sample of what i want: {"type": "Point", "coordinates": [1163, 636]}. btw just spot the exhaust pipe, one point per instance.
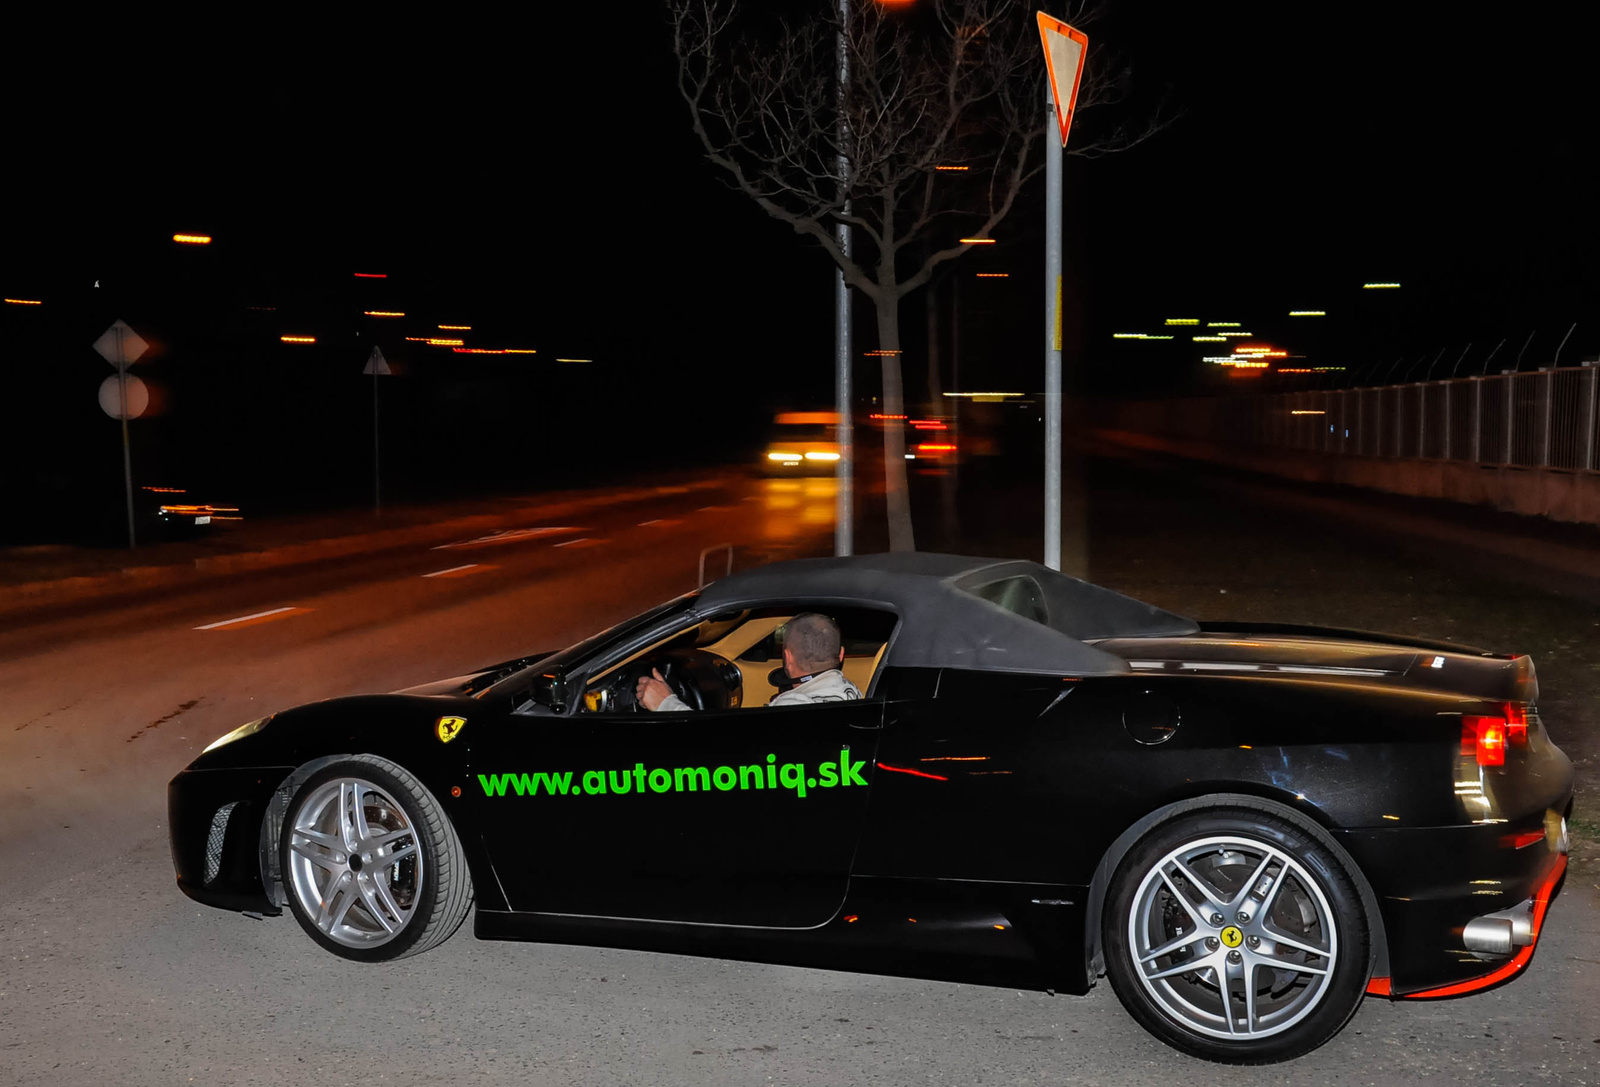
{"type": "Point", "coordinates": [1501, 932]}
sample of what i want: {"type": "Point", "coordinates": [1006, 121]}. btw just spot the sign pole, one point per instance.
{"type": "Point", "coordinates": [378, 367]}
{"type": "Point", "coordinates": [1052, 341]}
{"type": "Point", "coordinates": [377, 501]}
{"type": "Point", "coordinates": [127, 455]}
{"type": "Point", "coordinates": [120, 346]}
{"type": "Point", "coordinates": [1064, 50]}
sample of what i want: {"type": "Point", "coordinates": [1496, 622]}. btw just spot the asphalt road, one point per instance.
{"type": "Point", "coordinates": [110, 975]}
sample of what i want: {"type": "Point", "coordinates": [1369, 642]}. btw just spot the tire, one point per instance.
{"type": "Point", "coordinates": [371, 865]}
{"type": "Point", "coordinates": [1303, 948]}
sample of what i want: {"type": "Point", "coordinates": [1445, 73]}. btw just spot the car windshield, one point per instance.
{"type": "Point", "coordinates": [579, 651]}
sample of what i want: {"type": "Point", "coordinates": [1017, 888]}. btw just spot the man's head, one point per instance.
{"type": "Point", "coordinates": [811, 644]}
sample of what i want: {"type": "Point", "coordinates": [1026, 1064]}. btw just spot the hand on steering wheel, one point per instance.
{"type": "Point", "coordinates": [651, 690]}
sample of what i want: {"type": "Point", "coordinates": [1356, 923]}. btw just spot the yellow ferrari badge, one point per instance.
{"type": "Point", "coordinates": [448, 727]}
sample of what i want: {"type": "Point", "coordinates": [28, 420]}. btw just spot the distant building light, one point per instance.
{"type": "Point", "coordinates": [298, 339]}
{"type": "Point", "coordinates": [994, 275]}
{"type": "Point", "coordinates": [521, 351]}
{"type": "Point", "coordinates": [1296, 370]}
{"type": "Point", "coordinates": [435, 341]}
{"type": "Point", "coordinates": [817, 455]}
{"type": "Point", "coordinates": [876, 415]}
{"type": "Point", "coordinates": [1325, 369]}
{"type": "Point", "coordinates": [879, 354]}
{"type": "Point", "coordinates": [382, 313]}
{"type": "Point", "coordinates": [1308, 313]}
{"type": "Point", "coordinates": [981, 396]}
{"type": "Point", "coordinates": [25, 301]}
{"type": "Point", "coordinates": [1209, 339]}
{"type": "Point", "coordinates": [935, 447]}
{"type": "Point", "coordinates": [264, 309]}
{"type": "Point", "coordinates": [1222, 324]}
{"type": "Point", "coordinates": [1127, 335]}
{"type": "Point", "coordinates": [371, 275]}
{"type": "Point", "coordinates": [456, 328]}
{"type": "Point", "coordinates": [1236, 333]}
{"type": "Point", "coordinates": [416, 339]}
{"type": "Point", "coordinates": [1183, 320]}
{"type": "Point", "coordinates": [192, 239]}
{"type": "Point", "coordinates": [1380, 286]}
{"type": "Point", "coordinates": [977, 241]}
{"type": "Point", "coordinates": [787, 457]}
{"type": "Point", "coordinates": [477, 350]}
{"type": "Point", "coordinates": [574, 360]}
{"type": "Point", "coordinates": [1306, 411]}
{"type": "Point", "coordinates": [953, 169]}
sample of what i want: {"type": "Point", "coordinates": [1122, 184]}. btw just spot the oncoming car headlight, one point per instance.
{"type": "Point", "coordinates": [249, 728]}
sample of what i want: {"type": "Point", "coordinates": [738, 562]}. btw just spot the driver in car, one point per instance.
{"type": "Point", "coordinates": [813, 654]}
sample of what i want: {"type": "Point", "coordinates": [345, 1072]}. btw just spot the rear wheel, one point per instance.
{"type": "Point", "coordinates": [373, 868]}
{"type": "Point", "coordinates": [1237, 936]}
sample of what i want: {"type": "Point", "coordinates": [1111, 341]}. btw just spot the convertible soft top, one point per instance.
{"type": "Point", "coordinates": [1007, 615]}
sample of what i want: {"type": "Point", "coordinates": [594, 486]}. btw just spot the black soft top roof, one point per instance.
{"type": "Point", "coordinates": [945, 625]}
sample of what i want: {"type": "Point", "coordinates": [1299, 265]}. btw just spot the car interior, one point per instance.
{"type": "Point", "coordinates": [735, 661]}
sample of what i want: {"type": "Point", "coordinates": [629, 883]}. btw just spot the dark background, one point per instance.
{"type": "Point", "coordinates": [538, 180]}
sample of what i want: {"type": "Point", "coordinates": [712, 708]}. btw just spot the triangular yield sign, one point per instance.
{"type": "Point", "coordinates": [1064, 50]}
{"type": "Point", "coordinates": [376, 364]}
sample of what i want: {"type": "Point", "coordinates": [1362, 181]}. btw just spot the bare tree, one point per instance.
{"type": "Point", "coordinates": [942, 121]}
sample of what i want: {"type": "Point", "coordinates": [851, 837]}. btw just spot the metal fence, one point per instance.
{"type": "Point", "coordinates": [1543, 419]}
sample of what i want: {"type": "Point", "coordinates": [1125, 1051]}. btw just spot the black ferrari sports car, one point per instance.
{"type": "Point", "coordinates": [1246, 827]}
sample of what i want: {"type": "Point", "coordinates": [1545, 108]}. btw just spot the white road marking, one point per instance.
{"type": "Point", "coordinates": [569, 543]}
{"type": "Point", "coordinates": [644, 524]}
{"type": "Point", "coordinates": [244, 618]}
{"type": "Point", "coordinates": [508, 535]}
{"type": "Point", "coordinates": [452, 570]}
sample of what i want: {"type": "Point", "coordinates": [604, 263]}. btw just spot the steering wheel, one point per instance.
{"type": "Point", "coordinates": [702, 679]}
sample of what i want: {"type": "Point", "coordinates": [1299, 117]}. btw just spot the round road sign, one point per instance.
{"type": "Point", "coordinates": [111, 397]}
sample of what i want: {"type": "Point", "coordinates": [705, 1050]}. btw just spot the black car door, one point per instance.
{"type": "Point", "coordinates": [738, 817]}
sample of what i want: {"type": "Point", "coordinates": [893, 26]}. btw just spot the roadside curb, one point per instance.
{"type": "Point", "coordinates": [139, 578]}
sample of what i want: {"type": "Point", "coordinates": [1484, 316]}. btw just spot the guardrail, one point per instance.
{"type": "Point", "coordinates": [1541, 419]}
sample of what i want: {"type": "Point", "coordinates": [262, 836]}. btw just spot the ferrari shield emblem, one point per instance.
{"type": "Point", "coordinates": [448, 727]}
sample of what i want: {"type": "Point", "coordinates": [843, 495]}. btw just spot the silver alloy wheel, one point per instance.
{"type": "Point", "coordinates": [1232, 937]}
{"type": "Point", "coordinates": [355, 863]}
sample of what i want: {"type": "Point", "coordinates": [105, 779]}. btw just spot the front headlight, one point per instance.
{"type": "Point", "coordinates": [250, 728]}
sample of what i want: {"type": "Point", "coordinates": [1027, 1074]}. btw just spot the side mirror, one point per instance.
{"type": "Point", "coordinates": [550, 689]}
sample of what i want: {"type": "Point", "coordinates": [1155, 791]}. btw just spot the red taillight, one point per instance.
{"type": "Point", "coordinates": [1484, 738]}
{"type": "Point", "coordinates": [1516, 724]}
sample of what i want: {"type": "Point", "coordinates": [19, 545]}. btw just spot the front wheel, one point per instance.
{"type": "Point", "coordinates": [1236, 936]}
{"type": "Point", "coordinates": [373, 867]}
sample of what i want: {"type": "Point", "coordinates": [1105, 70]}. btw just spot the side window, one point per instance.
{"type": "Point", "coordinates": [735, 661]}
{"type": "Point", "coordinates": [1019, 595]}
{"type": "Point", "coordinates": [864, 633]}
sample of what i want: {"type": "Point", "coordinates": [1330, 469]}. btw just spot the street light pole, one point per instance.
{"type": "Point", "coordinates": [844, 504]}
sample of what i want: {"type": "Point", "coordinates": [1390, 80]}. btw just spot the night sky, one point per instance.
{"type": "Point", "coordinates": [541, 184]}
